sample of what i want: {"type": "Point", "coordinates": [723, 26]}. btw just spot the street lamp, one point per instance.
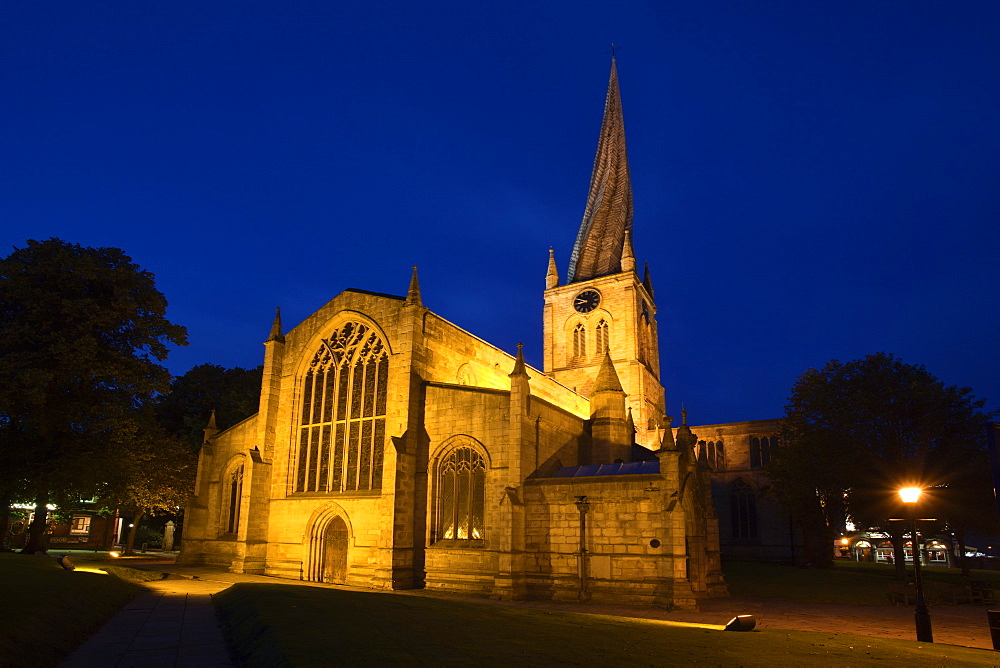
{"type": "Point", "coordinates": [921, 616]}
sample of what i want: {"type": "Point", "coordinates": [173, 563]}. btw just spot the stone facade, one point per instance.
{"type": "Point", "coordinates": [752, 524]}
{"type": "Point", "coordinates": [393, 449]}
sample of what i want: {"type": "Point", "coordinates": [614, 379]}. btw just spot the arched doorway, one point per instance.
{"type": "Point", "coordinates": [335, 551]}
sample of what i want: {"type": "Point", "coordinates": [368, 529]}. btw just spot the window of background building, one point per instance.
{"type": "Point", "coordinates": [743, 510]}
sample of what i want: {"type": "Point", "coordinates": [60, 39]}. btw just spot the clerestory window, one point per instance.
{"type": "Point", "coordinates": [342, 426]}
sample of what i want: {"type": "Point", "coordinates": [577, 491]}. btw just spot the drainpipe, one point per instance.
{"type": "Point", "coordinates": [583, 507]}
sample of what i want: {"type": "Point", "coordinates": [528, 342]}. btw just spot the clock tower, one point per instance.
{"type": "Point", "coordinates": [604, 308]}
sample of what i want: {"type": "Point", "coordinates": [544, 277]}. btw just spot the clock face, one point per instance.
{"type": "Point", "coordinates": [587, 301]}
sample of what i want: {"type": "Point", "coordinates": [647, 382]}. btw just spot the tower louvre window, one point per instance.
{"type": "Point", "coordinates": [580, 341]}
{"type": "Point", "coordinates": [342, 430]}
{"type": "Point", "coordinates": [602, 337]}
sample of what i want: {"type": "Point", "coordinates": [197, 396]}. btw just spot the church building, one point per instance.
{"type": "Point", "coordinates": [393, 449]}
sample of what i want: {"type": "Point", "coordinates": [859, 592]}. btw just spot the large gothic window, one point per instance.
{"type": "Point", "coordinates": [461, 495]}
{"type": "Point", "coordinates": [580, 341]}
{"type": "Point", "coordinates": [602, 337]}
{"type": "Point", "coordinates": [234, 497]}
{"type": "Point", "coordinates": [743, 510]}
{"type": "Point", "coordinates": [342, 428]}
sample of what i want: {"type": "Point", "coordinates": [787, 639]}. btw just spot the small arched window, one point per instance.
{"type": "Point", "coordinates": [760, 450]}
{"type": "Point", "coordinates": [233, 500]}
{"type": "Point", "coordinates": [602, 337]}
{"type": "Point", "coordinates": [462, 495]}
{"type": "Point", "coordinates": [743, 510]}
{"type": "Point", "coordinates": [580, 341]}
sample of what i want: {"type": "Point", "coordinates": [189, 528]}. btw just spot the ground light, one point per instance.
{"type": "Point", "coordinates": [921, 616]}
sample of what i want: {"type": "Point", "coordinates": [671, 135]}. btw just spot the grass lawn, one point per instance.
{"type": "Point", "coordinates": [47, 611]}
{"type": "Point", "coordinates": [279, 625]}
{"type": "Point", "coordinates": [847, 582]}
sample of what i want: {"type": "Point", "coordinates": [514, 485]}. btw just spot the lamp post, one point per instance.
{"type": "Point", "coordinates": [921, 616]}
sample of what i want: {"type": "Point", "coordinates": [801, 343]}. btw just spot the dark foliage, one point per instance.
{"type": "Point", "coordinates": [855, 433]}
{"type": "Point", "coordinates": [81, 332]}
{"type": "Point", "coordinates": [234, 394]}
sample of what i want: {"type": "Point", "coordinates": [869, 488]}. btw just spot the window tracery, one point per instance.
{"type": "Point", "coordinates": [760, 450]}
{"type": "Point", "coordinates": [462, 495]}
{"type": "Point", "coordinates": [580, 341]}
{"type": "Point", "coordinates": [342, 425]}
{"type": "Point", "coordinates": [602, 337]}
{"type": "Point", "coordinates": [234, 498]}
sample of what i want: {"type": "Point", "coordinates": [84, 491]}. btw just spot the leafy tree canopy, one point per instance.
{"type": "Point", "coordinates": [234, 394]}
{"type": "Point", "coordinates": [81, 332]}
{"type": "Point", "coordinates": [856, 432]}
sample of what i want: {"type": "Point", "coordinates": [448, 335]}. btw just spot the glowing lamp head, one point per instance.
{"type": "Point", "coordinates": [844, 541]}
{"type": "Point", "coordinates": [910, 494]}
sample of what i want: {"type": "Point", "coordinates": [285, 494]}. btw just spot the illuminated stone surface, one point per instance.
{"type": "Point", "coordinates": [458, 480]}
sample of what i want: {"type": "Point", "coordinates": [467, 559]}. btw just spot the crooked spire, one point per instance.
{"type": "Point", "coordinates": [598, 248]}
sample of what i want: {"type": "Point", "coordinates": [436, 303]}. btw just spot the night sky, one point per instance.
{"type": "Point", "coordinates": [813, 180]}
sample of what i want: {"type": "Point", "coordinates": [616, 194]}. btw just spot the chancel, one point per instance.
{"type": "Point", "coordinates": [393, 449]}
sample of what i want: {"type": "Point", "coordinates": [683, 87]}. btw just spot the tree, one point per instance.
{"type": "Point", "coordinates": [154, 472]}
{"type": "Point", "coordinates": [855, 433]}
{"type": "Point", "coordinates": [81, 332]}
{"type": "Point", "coordinates": [234, 394]}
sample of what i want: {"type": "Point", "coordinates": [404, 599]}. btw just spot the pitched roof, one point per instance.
{"type": "Point", "coordinates": [598, 248]}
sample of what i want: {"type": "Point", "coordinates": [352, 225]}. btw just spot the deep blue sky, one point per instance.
{"type": "Point", "coordinates": [813, 180]}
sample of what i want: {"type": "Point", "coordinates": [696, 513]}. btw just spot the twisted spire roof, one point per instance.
{"type": "Point", "coordinates": [598, 248]}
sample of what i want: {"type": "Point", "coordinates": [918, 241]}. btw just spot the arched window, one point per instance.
{"type": "Point", "coordinates": [580, 341]}
{"type": "Point", "coordinates": [342, 432]}
{"type": "Point", "coordinates": [720, 456]}
{"type": "Point", "coordinates": [743, 510]}
{"type": "Point", "coordinates": [602, 337]}
{"type": "Point", "coordinates": [233, 499]}
{"type": "Point", "coordinates": [461, 495]}
{"type": "Point", "coordinates": [711, 454]}
{"type": "Point", "coordinates": [760, 450]}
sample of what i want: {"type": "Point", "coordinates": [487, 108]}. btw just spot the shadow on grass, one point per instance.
{"type": "Point", "coordinates": [282, 625]}
{"type": "Point", "coordinates": [47, 611]}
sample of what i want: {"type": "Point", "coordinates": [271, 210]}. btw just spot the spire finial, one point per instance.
{"type": "Point", "coordinates": [628, 255]}
{"type": "Point", "coordinates": [519, 369]}
{"type": "Point", "coordinates": [647, 282]}
{"type": "Point", "coordinates": [413, 294]}
{"type": "Point", "coordinates": [684, 416]}
{"type": "Point", "coordinates": [276, 335]}
{"type": "Point", "coordinates": [211, 421]}
{"type": "Point", "coordinates": [552, 275]}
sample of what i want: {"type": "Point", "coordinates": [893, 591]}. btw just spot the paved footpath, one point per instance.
{"type": "Point", "coordinates": [174, 625]}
